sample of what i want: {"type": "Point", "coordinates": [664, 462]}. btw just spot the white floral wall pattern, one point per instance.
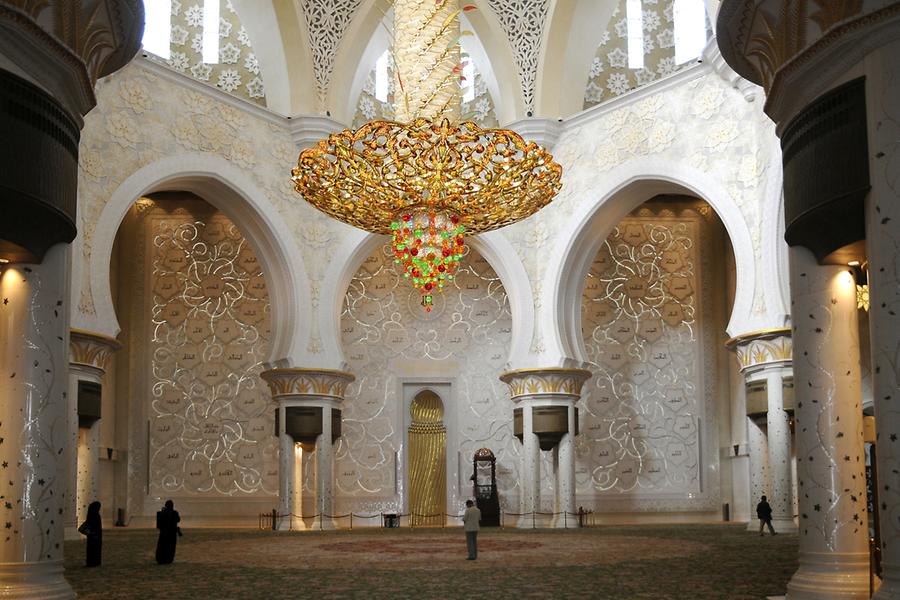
{"type": "Point", "coordinates": [384, 328]}
{"type": "Point", "coordinates": [211, 416]}
{"type": "Point", "coordinates": [610, 75]}
{"type": "Point", "coordinates": [237, 71]}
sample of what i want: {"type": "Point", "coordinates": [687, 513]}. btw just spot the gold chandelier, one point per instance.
{"type": "Point", "coordinates": [429, 181]}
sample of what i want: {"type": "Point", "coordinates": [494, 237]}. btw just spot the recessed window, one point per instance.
{"type": "Point", "coordinates": [634, 15]}
{"type": "Point", "coordinates": [381, 78]}
{"type": "Point", "coordinates": [157, 27]}
{"type": "Point", "coordinates": [690, 29]}
{"type": "Point", "coordinates": [211, 32]}
{"type": "Point", "coordinates": [468, 83]}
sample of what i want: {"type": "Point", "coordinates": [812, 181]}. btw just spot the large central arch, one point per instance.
{"type": "Point", "coordinates": [230, 190]}
{"type": "Point", "coordinates": [591, 223]}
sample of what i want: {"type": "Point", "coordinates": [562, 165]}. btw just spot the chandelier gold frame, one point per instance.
{"type": "Point", "coordinates": [490, 178]}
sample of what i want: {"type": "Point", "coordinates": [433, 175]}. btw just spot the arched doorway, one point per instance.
{"type": "Point", "coordinates": [427, 460]}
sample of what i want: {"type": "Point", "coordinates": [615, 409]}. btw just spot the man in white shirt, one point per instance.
{"type": "Point", "coordinates": [471, 519]}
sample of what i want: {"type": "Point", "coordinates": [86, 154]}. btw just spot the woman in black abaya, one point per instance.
{"type": "Point", "coordinates": [167, 522]}
{"type": "Point", "coordinates": [92, 528]}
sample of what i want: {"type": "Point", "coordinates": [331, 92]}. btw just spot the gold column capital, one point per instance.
{"type": "Point", "coordinates": [758, 348]}
{"type": "Point", "coordinates": [550, 380]}
{"type": "Point", "coordinates": [296, 381]}
{"type": "Point", "coordinates": [91, 349]}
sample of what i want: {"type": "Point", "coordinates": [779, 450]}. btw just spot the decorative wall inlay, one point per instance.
{"type": "Point", "coordinates": [307, 382]}
{"type": "Point", "coordinates": [237, 71]}
{"type": "Point", "coordinates": [760, 348]}
{"type": "Point", "coordinates": [535, 382]}
{"type": "Point", "coordinates": [651, 353]}
{"type": "Point", "coordinates": [326, 22]}
{"type": "Point", "coordinates": [209, 326]}
{"type": "Point", "coordinates": [523, 22]}
{"type": "Point", "coordinates": [92, 349]}
{"type": "Point", "coordinates": [610, 75]}
{"type": "Point", "coordinates": [386, 334]}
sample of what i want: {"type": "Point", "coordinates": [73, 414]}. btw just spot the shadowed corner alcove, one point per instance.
{"type": "Point", "coordinates": [427, 460]}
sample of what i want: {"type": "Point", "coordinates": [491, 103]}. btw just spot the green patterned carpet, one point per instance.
{"type": "Point", "coordinates": [660, 562]}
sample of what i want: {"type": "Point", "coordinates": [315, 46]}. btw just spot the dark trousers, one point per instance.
{"type": "Point", "coordinates": [472, 544]}
{"type": "Point", "coordinates": [764, 523]}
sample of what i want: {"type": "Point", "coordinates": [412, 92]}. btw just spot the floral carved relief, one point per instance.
{"type": "Point", "coordinates": [644, 411]}
{"type": "Point", "coordinates": [209, 325]}
{"type": "Point", "coordinates": [386, 332]}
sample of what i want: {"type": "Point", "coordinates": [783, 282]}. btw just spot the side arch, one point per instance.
{"type": "Point", "coordinates": [230, 190]}
{"type": "Point", "coordinates": [493, 246]}
{"type": "Point", "coordinates": [591, 223]}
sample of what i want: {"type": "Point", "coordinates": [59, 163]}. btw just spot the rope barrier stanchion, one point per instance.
{"type": "Point", "coordinates": [533, 526]}
{"type": "Point", "coordinates": [566, 519]}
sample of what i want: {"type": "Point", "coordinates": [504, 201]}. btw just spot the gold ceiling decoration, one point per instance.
{"type": "Point", "coordinates": [429, 180]}
{"type": "Point", "coordinates": [489, 178]}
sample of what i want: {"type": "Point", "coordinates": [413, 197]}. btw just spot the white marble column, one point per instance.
{"type": "Point", "coordinates": [778, 430]}
{"type": "Point", "coordinates": [758, 452]}
{"type": "Point", "coordinates": [834, 558]}
{"type": "Point", "coordinates": [883, 245]}
{"type": "Point", "coordinates": [34, 314]}
{"type": "Point", "coordinates": [531, 469]}
{"type": "Point", "coordinates": [88, 466]}
{"type": "Point", "coordinates": [89, 358]}
{"type": "Point", "coordinates": [325, 474]}
{"type": "Point", "coordinates": [286, 476]}
{"type": "Point", "coordinates": [565, 488]}
{"type": "Point", "coordinates": [540, 388]}
{"type": "Point", "coordinates": [321, 389]}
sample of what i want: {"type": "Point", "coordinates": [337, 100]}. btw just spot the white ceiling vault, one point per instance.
{"type": "Point", "coordinates": [534, 55]}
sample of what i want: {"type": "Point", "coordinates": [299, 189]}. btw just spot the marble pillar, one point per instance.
{"type": "Point", "coordinates": [778, 433]}
{"type": "Point", "coordinates": [758, 453]}
{"type": "Point", "coordinates": [89, 357]}
{"type": "Point", "coordinates": [530, 500]}
{"type": "Point", "coordinates": [34, 315]}
{"type": "Point", "coordinates": [566, 472]}
{"type": "Point", "coordinates": [287, 484]}
{"type": "Point", "coordinates": [766, 356]}
{"type": "Point", "coordinates": [883, 246]}
{"type": "Point", "coordinates": [325, 472]}
{"type": "Point", "coordinates": [834, 557]}
{"type": "Point", "coordinates": [553, 388]}
{"type": "Point", "coordinates": [321, 390]}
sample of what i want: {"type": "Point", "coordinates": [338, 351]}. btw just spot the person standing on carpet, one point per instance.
{"type": "Point", "coordinates": [764, 513]}
{"type": "Point", "coordinates": [167, 522]}
{"type": "Point", "coordinates": [471, 519]}
{"type": "Point", "coordinates": [92, 529]}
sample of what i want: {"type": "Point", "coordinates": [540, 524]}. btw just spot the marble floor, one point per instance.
{"type": "Point", "coordinates": [653, 562]}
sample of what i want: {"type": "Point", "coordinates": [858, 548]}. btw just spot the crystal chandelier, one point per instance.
{"type": "Point", "coordinates": [426, 179]}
